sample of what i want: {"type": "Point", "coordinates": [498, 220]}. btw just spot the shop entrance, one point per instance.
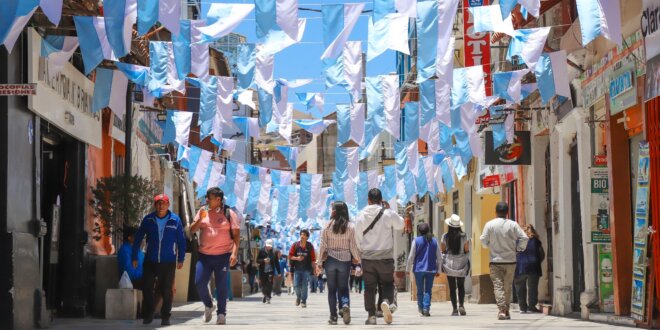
{"type": "Point", "coordinates": [548, 218]}
{"type": "Point", "coordinates": [578, 252]}
{"type": "Point", "coordinates": [62, 208]}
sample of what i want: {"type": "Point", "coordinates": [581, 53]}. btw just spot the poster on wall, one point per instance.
{"type": "Point", "coordinates": [600, 201]}
{"type": "Point", "coordinates": [640, 238]}
{"type": "Point", "coordinates": [606, 278]}
{"type": "Point", "coordinates": [518, 152]}
{"type": "Point", "coordinates": [650, 26]}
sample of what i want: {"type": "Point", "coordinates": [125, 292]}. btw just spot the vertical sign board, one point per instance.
{"type": "Point", "coordinates": [600, 201]}
{"type": "Point", "coordinates": [605, 278]}
{"type": "Point", "coordinates": [476, 45]}
{"type": "Point", "coordinates": [640, 238]}
{"type": "Point", "coordinates": [650, 26]}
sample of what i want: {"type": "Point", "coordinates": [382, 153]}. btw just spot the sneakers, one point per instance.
{"type": "Point", "coordinates": [303, 305]}
{"type": "Point", "coordinates": [268, 301]}
{"type": "Point", "coordinates": [147, 320]}
{"type": "Point", "coordinates": [165, 322]}
{"type": "Point", "coordinates": [222, 319]}
{"type": "Point", "coordinates": [454, 312]}
{"type": "Point", "coordinates": [297, 301]}
{"type": "Point", "coordinates": [501, 315]}
{"type": "Point", "coordinates": [387, 313]}
{"type": "Point", "coordinates": [426, 313]}
{"type": "Point", "coordinates": [508, 316]}
{"type": "Point", "coordinates": [533, 309]}
{"type": "Point", "coordinates": [461, 310]}
{"type": "Point", "coordinates": [420, 311]}
{"type": "Point", "coordinates": [332, 320]}
{"type": "Point", "coordinates": [346, 314]}
{"type": "Point", "coordinates": [208, 313]}
{"type": "Point", "coordinates": [264, 300]}
{"type": "Point", "coordinates": [371, 320]}
{"type": "Point", "coordinates": [379, 314]}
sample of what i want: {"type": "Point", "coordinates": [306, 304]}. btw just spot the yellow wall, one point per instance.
{"type": "Point", "coordinates": [483, 210]}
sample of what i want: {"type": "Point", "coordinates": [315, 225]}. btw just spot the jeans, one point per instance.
{"type": "Point", "coordinates": [266, 283]}
{"type": "Point", "coordinates": [502, 277]}
{"type": "Point", "coordinates": [321, 283]}
{"type": "Point", "coordinates": [219, 266]}
{"type": "Point", "coordinates": [300, 282]}
{"type": "Point", "coordinates": [165, 274]}
{"type": "Point", "coordinates": [337, 273]}
{"type": "Point", "coordinates": [456, 284]}
{"type": "Point", "coordinates": [424, 282]}
{"type": "Point", "coordinates": [527, 288]}
{"type": "Point", "coordinates": [377, 274]}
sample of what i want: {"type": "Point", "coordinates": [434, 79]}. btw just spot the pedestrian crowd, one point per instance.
{"type": "Point", "coordinates": [353, 255]}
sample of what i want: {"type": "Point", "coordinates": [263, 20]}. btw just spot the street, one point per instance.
{"type": "Point", "coordinates": [282, 314]}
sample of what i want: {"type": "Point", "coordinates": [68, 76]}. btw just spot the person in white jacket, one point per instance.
{"type": "Point", "coordinates": [374, 228]}
{"type": "Point", "coordinates": [504, 238]}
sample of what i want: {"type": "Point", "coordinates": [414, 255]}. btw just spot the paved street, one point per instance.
{"type": "Point", "coordinates": [282, 314]}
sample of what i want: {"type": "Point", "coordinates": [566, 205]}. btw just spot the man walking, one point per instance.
{"type": "Point", "coordinates": [268, 264]}
{"type": "Point", "coordinates": [302, 258]}
{"type": "Point", "coordinates": [504, 238]}
{"type": "Point", "coordinates": [218, 250]}
{"type": "Point", "coordinates": [166, 250]}
{"type": "Point", "coordinates": [374, 229]}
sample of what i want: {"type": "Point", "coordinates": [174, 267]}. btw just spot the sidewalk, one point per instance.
{"type": "Point", "coordinates": [250, 313]}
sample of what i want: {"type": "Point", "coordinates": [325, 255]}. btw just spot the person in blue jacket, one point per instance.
{"type": "Point", "coordinates": [124, 258]}
{"type": "Point", "coordinates": [528, 272]}
{"type": "Point", "coordinates": [166, 250]}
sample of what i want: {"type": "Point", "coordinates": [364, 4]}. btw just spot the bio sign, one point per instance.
{"type": "Point", "coordinates": [476, 45]}
{"type": "Point", "coordinates": [600, 212]}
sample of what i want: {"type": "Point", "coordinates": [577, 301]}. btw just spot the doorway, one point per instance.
{"type": "Point", "coordinates": [578, 252]}
{"type": "Point", "coordinates": [548, 218]}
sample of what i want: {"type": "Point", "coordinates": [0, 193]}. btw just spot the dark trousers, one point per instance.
{"type": "Point", "coordinates": [456, 284]}
{"type": "Point", "coordinates": [266, 282]}
{"type": "Point", "coordinates": [527, 289]}
{"type": "Point", "coordinates": [358, 283]}
{"type": "Point", "coordinates": [219, 266]}
{"type": "Point", "coordinates": [165, 274]}
{"type": "Point", "coordinates": [337, 273]}
{"type": "Point", "coordinates": [377, 274]}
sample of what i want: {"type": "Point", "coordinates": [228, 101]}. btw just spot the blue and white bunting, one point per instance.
{"type": "Point", "coordinates": [507, 85]}
{"type": "Point", "coordinates": [110, 91]}
{"type": "Point", "coordinates": [94, 43]}
{"type": "Point", "coordinates": [225, 17]}
{"type": "Point", "coordinates": [346, 70]}
{"type": "Point", "coordinates": [529, 6]}
{"type": "Point", "coordinates": [16, 14]}
{"type": "Point", "coordinates": [435, 22]}
{"type": "Point", "coordinates": [290, 154]}
{"type": "Point", "coordinates": [391, 32]}
{"type": "Point", "coordinates": [528, 45]}
{"type": "Point", "coordinates": [247, 125]}
{"type": "Point", "coordinates": [167, 12]}
{"type": "Point", "coordinates": [120, 15]}
{"type": "Point", "coordinates": [338, 22]}
{"type": "Point", "coordinates": [52, 9]}
{"type": "Point", "coordinates": [406, 170]}
{"type": "Point", "coordinates": [350, 123]}
{"type": "Point", "coordinates": [314, 126]}
{"type": "Point", "coordinates": [177, 127]}
{"type": "Point", "coordinates": [190, 55]}
{"type": "Point", "coordinates": [488, 19]}
{"type": "Point", "coordinates": [552, 76]}
{"type": "Point", "coordinates": [57, 50]}
{"type": "Point", "coordinates": [410, 129]}
{"type": "Point", "coordinates": [382, 8]}
{"type": "Point", "coordinates": [599, 17]}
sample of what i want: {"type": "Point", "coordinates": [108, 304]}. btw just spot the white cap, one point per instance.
{"type": "Point", "coordinates": [269, 242]}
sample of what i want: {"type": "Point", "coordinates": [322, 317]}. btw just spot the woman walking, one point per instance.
{"type": "Point", "coordinates": [338, 248]}
{"type": "Point", "coordinates": [455, 246]}
{"type": "Point", "coordinates": [424, 261]}
{"type": "Point", "coordinates": [528, 271]}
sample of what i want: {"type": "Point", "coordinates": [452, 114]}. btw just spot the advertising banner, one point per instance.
{"type": "Point", "coordinates": [605, 278]}
{"type": "Point", "coordinates": [650, 26]}
{"type": "Point", "coordinates": [476, 45]}
{"type": "Point", "coordinates": [640, 238]}
{"type": "Point", "coordinates": [600, 201]}
{"type": "Point", "coordinates": [519, 152]}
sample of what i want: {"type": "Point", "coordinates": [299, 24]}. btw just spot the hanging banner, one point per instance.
{"type": "Point", "coordinates": [606, 278]}
{"type": "Point", "coordinates": [517, 153]}
{"type": "Point", "coordinates": [476, 45]}
{"type": "Point", "coordinates": [600, 201]}
{"type": "Point", "coordinates": [640, 246]}
{"type": "Point", "coordinates": [650, 26]}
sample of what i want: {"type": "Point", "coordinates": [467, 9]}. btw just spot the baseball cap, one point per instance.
{"type": "Point", "coordinates": [269, 242]}
{"type": "Point", "coordinates": [161, 197]}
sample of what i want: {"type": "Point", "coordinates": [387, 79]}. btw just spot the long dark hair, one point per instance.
{"type": "Point", "coordinates": [454, 240]}
{"type": "Point", "coordinates": [340, 217]}
{"type": "Point", "coordinates": [424, 230]}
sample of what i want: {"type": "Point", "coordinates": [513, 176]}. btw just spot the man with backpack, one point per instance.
{"type": "Point", "coordinates": [218, 250]}
{"type": "Point", "coordinates": [374, 231]}
{"type": "Point", "coordinates": [302, 258]}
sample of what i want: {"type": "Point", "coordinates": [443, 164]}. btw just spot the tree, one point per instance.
{"type": "Point", "coordinates": [121, 201]}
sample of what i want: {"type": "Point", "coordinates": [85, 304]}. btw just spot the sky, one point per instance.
{"type": "Point", "coordinates": [302, 61]}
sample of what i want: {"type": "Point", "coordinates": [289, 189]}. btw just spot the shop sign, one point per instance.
{"type": "Point", "coordinates": [490, 181]}
{"type": "Point", "coordinates": [623, 93]}
{"type": "Point", "coordinates": [605, 278]}
{"type": "Point", "coordinates": [640, 238]}
{"type": "Point", "coordinates": [63, 99]}
{"type": "Point", "coordinates": [518, 152]}
{"type": "Point", "coordinates": [18, 89]}
{"type": "Point", "coordinates": [650, 28]}
{"type": "Point", "coordinates": [600, 201]}
{"type": "Point", "coordinates": [476, 45]}
{"type": "Point", "coordinates": [600, 160]}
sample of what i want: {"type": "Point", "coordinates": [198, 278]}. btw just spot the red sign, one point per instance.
{"type": "Point", "coordinates": [476, 45]}
{"type": "Point", "coordinates": [600, 160]}
{"type": "Point", "coordinates": [491, 181]}
{"type": "Point", "coordinates": [485, 119]}
{"type": "Point", "coordinates": [18, 89]}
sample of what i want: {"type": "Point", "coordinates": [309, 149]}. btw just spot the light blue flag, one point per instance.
{"type": "Point", "coordinates": [499, 135]}
{"type": "Point", "coordinates": [314, 126]}
{"type": "Point", "coordinates": [363, 191]}
{"type": "Point", "coordinates": [552, 76]}
{"type": "Point", "coordinates": [305, 200]}
{"type": "Point", "coordinates": [202, 188]}
{"type": "Point", "coordinates": [158, 62]}
{"type": "Point", "coordinates": [600, 18]}
{"type": "Point", "coordinates": [459, 92]}
{"type": "Point", "coordinates": [343, 123]}
{"type": "Point", "coordinates": [147, 15]}
{"type": "Point", "coordinates": [403, 172]}
{"type": "Point", "coordinates": [194, 153]}
{"type": "Point", "coordinates": [253, 194]}
{"type": "Point", "coordinates": [181, 156]}
{"type": "Point", "coordinates": [527, 89]}
{"type": "Point", "coordinates": [447, 176]}
{"type": "Point", "coordinates": [290, 154]}
{"type": "Point", "coordinates": [167, 12]}
{"type": "Point", "coordinates": [15, 14]}
{"type": "Point", "coordinates": [421, 180]}
{"type": "Point", "coordinates": [102, 89]}
{"type": "Point", "coordinates": [208, 101]}
{"type": "Point", "coordinates": [333, 22]}
{"type": "Point", "coordinates": [388, 186]}
{"type": "Point", "coordinates": [446, 134]}
{"type": "Point", "coordinates": [427, 39]}
{"type": "Point", "coordinates": [247, 125]}
{"type": "Point", "coordinates": [375, 107]}
{"type": "Point", "coordinates": [459, 166]}
{"type": "Point", "coordinates": [266, 17]}
{"type": "Point", "coordinates": [382, 8]}
{"type": "Point", "coordinates": [410, 122]}
{"type": "Point", "coordinates": [427, 101]}
{"type": "Point", "coordinates": [283, 203]}
{"type": "Point", "coordinates": [463, 145]}
{"type": "Point", "coordinates": [230, 182]}
{"type": "Point", "coordinates": [51, 44]}
{"type": "Point", "coordinates": [169, 132]}
{"type": "Point", "coordinates": [265, 107]}
{"type": "Point", "coordinates": [245, 65]}
{"type": "Point", "coordinates": [117, 14]}
{"type": "Point", "coordinates": [135, 73]}
{"type": "Point", "coordinates": [90, 45]}
{"type": "Point", "coordinates": [181, 47]}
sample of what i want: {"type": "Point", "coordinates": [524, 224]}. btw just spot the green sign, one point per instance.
{"type": "Point", "coordinates": [606, 278]}
{"type": "Point", "coordinates": [600, 203]}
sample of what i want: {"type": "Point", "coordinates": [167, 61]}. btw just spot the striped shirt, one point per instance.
{"type": "Point", "coordinates": [342, 247]}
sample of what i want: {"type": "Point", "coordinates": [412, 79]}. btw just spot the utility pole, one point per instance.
{"type": "Point", "coordinates": [128, 134]}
